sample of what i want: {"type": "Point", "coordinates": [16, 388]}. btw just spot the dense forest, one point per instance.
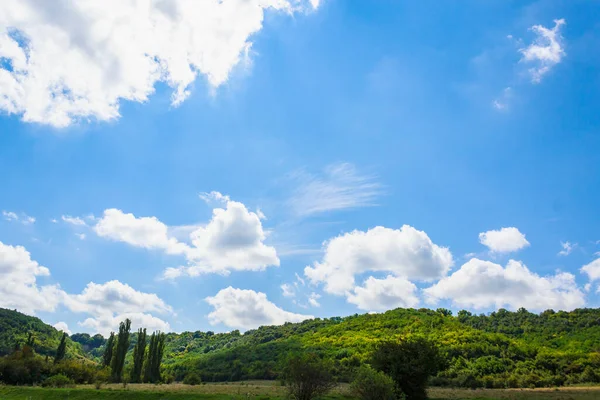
{"type": "Point", "coordinates": [502, 349]}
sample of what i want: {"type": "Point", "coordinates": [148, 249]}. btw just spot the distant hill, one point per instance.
{"type": "Point", "coordinates": [15, 328]}
{"type": "Point", "coordinates": [502, 349]}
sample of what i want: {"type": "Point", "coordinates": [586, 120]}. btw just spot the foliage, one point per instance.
{"type": "Point", "coordinates": [370, 384]}
{"type": "Point", "coordinates": [307, 376]}
{"type": "Point", "coordinates": [120, 351]}
{"type": "Point", "coordinates": [139, 352]}
{"type": "Point", "coordinates": [499, 350]}
{"type": "Point", "coordinates": [61, 350]}
{"type": "Point", "coordinates": [155, 354]}
{"type": "Point", "coordinates": [58, 381]}
{"type": "Point", "coordinates": [192, 379]}
{"type": "Point", "coordinates": [410, 363]}
{"type": "Point", "coordinates": [16, 329]}
{"type": "Point", "coordinates": [108, 350]}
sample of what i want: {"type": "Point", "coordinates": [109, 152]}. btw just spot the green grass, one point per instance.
{"type": "Point", "coordinates": [258, 391]}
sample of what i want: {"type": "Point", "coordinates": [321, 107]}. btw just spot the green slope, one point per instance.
{"type": "Point", "coordinates": [15, 328]}
{"type": "Point", "coordinates": [503, 349]}
{"type": "Point", "coordinates": [498, 350]}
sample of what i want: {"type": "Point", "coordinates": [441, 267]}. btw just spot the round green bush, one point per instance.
{"type": "Point", "coordinates": [58, 381]}
{"type": "Point", "coordinates": [192, 379]}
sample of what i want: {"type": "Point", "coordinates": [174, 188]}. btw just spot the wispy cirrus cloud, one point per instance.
{"type": "Point", "coordinates": [22, 217]}
{"type": "Point", "coordinates": [339, 186]}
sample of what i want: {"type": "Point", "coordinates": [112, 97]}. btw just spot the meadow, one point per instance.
{"type": "Point", "coordinates": [267, 390]}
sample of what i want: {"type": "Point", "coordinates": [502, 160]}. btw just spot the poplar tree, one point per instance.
{"type": "Point", "coordinates": [108, 350]}
{"type": "Point", "coordinates": [138, 356]}
{"type": "Point", "coordinates": [122, 344]}
{"type": "Point", "coordinates": [154, 359]}
{"type": "Point", "coordinates": [61, 350]}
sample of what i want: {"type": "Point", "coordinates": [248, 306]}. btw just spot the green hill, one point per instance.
{"type": "Point", "coordinates": [502, 349]}
{"type": "Point", "coordinates": [15, 328]}
{"type": "Point", "coordinates": [497, 350]}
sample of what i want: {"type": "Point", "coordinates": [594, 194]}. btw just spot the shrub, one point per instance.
{"type": "Point", "coordinates": [410, 363]}
{"type": "Point", "coordinates": [370, 384]}
{"type": "Point", "coordinates": [307, 376]}
{"type": "Point", "coordinates": [58, 381]}
{"type": "Point", "coordinates": [192, 379]}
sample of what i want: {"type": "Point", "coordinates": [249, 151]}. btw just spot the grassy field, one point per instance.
{"type": "Point", "coordinates": [267, 391]}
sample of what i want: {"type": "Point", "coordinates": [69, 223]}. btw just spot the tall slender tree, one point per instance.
{"type": "Point", "coordinates": [62, 349]}
{"type": "Point", "coordinates": [121, 347]}
{"type": "Point", "coordinates": [154, 359]}
{"type": "Point", "coordinates": [138, 356]}
{"type": "Point", "coordinates": [108, 350]}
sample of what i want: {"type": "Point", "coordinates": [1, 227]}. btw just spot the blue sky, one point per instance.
{"type": "Point", "coordinates": [365, 155]}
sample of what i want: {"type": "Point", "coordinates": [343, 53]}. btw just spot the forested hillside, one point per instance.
{"type": "Point", "coordinates": [15, 328]}
{"type": "Point", "coordinates": [515, 349]}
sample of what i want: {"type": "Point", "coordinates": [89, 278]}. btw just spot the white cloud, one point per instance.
{"type": "Point", "coordinates": [404, 252]}
{"type": "Point", "coordinates": [111, 302]}
{"type": "Point", "coordinates": [247, 309]}
{"type": "Point", "coordinates": [10, 216]}
{"type": "Point", "coordinates": [79, 59]}
{"type": "Point", "coordinates": [546, 50]}
{"type": "Point", "coordinates": [23, 218]}
{"type": "Point", "coordinates": [483, 284]}
{"type": "Point", "coordinates": [214, 197]}
{"type": "Point", "coordinates": [340, 187]}
{"type": "Point", "coordinates": [384, 294]}
{"type": "Point", "coordinates": [105, 303]}
{"type": "Point", "coordinates": [62, 326]}
{"type": "Point", "coordinates": [567, 248]}
{"type": "Point", "coordinates": [288, 290]}
{"type": "Point", "coordinates": [502, 102]}
{"type": "Point", "coordinates": [107, 323]}
{"type": "Point", "coordinates": [112, 297]}
{"type": "Point", "coordinates": [232, 240]}
{"type": "Point", "coordinates": [18, 282]}
{"type": "Point", "coordinates": [592, 270]}
{"type": "Point", "coordinates": [81, 236]}
{"type": "Point", "coordinates": [73, 220]}
{"type": "Point", "coordinates": [145, 232]}
{"type": "Point", "coordinates": [505, 240]}
{"type": "Point", "coordinates": [313, 300]}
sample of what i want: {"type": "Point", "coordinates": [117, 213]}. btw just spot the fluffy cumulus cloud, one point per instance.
{"type": "Point", "coordinates": [62, 326]}
{"type": "Point", "coordinates": [78, 59]}
{"type": "Point", "coordinates": [103, 303]}
{"type": "Point", "coordinates": [482, 284]}
{"type": "Point", "coordinates": [145, 232]}
{"type": "Point", "coordinates": [114, 296]}
{"type": "Point", "coordinates": [341, 186]}
{"type": "Point", "coordinates": [232, 240]}
{"type": "Point", "coordinates": [405, 252]}
{"type": "Point", "coordinates": [247, 309]}
{"type": "Point", "coordinates": [384, 294]}
{"type": "Point", "coordinates": [18, 282]}
{"type": "Point", "coordinates": [592, 270]}
{"type": "Point", "coordinates": [109, 303]}
{"type": "Point", "coordinates": [546, 51]}
{"type": "Point", "coordinates": [107, 323]}
{"type": "Point", "coordinates": [505, 240]}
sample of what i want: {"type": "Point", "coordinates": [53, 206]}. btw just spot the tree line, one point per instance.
{"type": "Point", "coordinates": [146, 358]}
{"type": "Point", "coordinates": [24, 366]}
